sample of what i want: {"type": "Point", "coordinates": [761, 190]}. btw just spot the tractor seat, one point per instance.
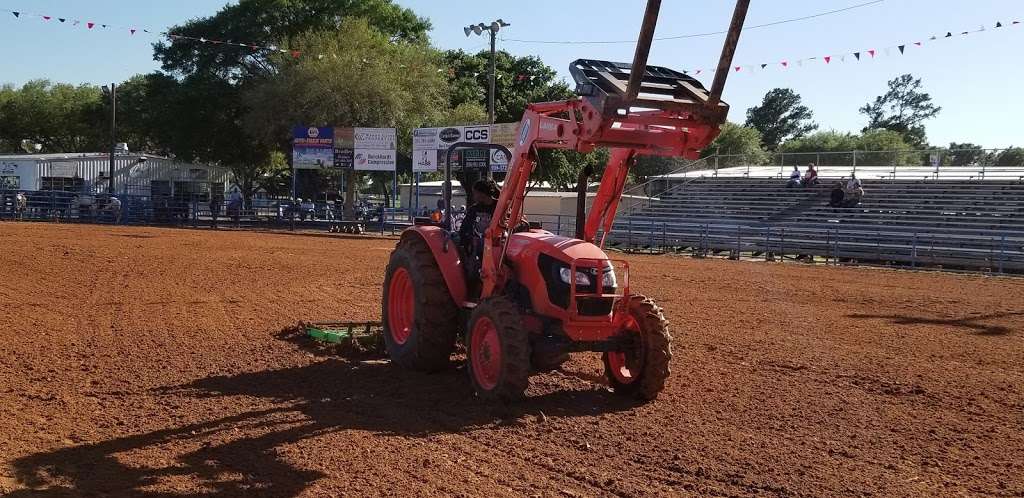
{"type": "Point", "coordinates": [604, 84]}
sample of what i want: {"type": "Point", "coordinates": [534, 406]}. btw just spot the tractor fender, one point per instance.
{"type": "Point", "coordinates": [448, 260]}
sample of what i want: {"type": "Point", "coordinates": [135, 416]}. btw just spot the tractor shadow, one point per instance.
{"type": "Point", "coordinates": [973, 323]}
{"type": "Point", "coordinates": [239, 452]}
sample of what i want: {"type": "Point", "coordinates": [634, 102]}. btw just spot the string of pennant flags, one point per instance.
{"type": "Point", "coordinates": [296, 53]}
{"type": "Point", "coordinates": [132, 30]}
{"type": "Point", "coordinates": [865, 54]}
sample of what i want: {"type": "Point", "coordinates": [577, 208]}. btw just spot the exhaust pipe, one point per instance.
{"type": "Point", "coordinates": [728, 50]}
{"type": "Point", "coordinates": [582, 183]}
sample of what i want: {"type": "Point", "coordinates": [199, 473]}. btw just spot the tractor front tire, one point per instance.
{"type": "Point", "coordinates": [420, 318]}
{"type": "Point", "coordinates": [498, 351]}
{"type": "Point", "coordinates": [641, 373]}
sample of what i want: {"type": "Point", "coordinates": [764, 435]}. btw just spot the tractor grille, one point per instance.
{"type": "Point", "coordinates": [594, 306]}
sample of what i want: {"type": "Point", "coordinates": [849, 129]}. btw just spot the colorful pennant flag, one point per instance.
{"type": "Point", "coordinates": [295, 54]}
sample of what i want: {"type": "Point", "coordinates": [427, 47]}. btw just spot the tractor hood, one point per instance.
{"type": "Point", "coordinates": [529, 245]}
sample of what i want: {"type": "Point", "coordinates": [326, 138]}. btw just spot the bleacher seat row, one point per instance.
{"type": "Point", "coordinates": [954, 223]}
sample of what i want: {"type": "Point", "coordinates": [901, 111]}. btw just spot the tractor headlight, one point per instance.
{"type": "Point", "coordinates": [582, 280]}
{"type": "Point", "coordinates": [608, 279]}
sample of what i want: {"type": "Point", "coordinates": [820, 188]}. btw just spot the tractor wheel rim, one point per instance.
{"type": "Point", "coordinates": [485, 353]}
{"type": "Point", "coordinates": [400, 306]}
{"type": "Point", "coordinates": [627, 366]}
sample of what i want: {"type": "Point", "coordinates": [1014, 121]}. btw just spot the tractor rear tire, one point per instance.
{"type": "Point", "coordinates": [642, 373]}
{"type": "Point", "coordinates": [421, 321]}
{"type": "Point", "coordinates": [498, 351]}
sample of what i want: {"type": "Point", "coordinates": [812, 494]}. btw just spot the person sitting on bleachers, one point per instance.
{"type": "Point", "coordinates": [853, 183]}
{"type": "Point", "coordinates": [836, 199]}
{"type": "Point", "coordinates": [853, 191]}
{"type": "Point", "coordinates": [810, 178]}
{"type": "Point", "coordinates": [853, 197]}
{"type": "Point", "coordinates": [794, 177]}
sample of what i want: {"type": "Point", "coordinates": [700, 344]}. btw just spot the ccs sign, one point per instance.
{"type": "Point", "coordinates": [478, 135]}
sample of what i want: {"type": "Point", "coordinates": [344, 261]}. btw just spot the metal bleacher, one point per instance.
{"type": "Point", "coordinates": [967, 224]}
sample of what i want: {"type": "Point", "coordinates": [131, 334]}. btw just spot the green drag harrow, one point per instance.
{"type": "Point", "coordinates": [357, 336]}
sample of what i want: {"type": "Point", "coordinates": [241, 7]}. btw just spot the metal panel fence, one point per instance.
{"type": "Point", "coordinates": [996, 252]}
{"type": "Point", "coordinates": [195, 210]}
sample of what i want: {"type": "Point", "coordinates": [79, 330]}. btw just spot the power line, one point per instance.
{"type": "Point", "coordinates": [695, 35]}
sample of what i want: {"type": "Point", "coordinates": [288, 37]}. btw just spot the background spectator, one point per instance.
{"type": "Point", "coordinates": [836, 198]}
{"type": "Point", "coordinates": [794, 177]}
{"type": "Point", "coordinates": [810, 177]}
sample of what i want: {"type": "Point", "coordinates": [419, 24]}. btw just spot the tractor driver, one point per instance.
{"type": "Point", "coordinates": [485, 194]}
{"type": "Point", "coordinates": [478, 217]}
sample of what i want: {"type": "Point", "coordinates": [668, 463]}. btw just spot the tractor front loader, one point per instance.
{"type": "Point", "coordinates": [539, 296]}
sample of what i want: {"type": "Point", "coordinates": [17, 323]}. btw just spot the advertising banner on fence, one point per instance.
{"type": "Point", "coordinates": [365, 149]}
{"type": "Point", "coordinates": [430, 145]}
{"type": "Point", "coordinates": [503, 134]}
{"type": "Point", "coordinates": [312, 147]}
{"type": "Point", "coordinates": [15, 175]}
{"type": "Point", "coordinates": [374, 160]}
{"type": "Point", "coordinates": [374, 138]}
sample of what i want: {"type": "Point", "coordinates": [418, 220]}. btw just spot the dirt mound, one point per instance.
{"type": "Point", "coordinates": [163, 362]}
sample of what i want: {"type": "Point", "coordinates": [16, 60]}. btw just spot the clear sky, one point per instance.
{"type": "Point", "coordinates": [975, 78]}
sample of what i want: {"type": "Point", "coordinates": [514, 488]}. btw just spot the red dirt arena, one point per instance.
{"type": "Point", "coordinates": [164, 362]}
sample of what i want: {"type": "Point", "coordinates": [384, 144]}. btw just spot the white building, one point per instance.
{"type": "Point", "coordinates": [134, 174]}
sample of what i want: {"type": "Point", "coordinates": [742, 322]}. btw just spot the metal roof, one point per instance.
{"type": "Point", "coordinates": [74, 155]}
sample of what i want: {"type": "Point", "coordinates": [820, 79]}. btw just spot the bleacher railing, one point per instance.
{"type": "Point", "coordinates": [937, 163]}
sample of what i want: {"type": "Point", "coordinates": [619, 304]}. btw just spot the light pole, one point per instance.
{"type": "Point", "coordinates": [111, 91]}
{"type": "Point", "coordinates": [493, 29]}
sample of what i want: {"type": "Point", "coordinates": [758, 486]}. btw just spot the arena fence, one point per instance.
{"type": "Point", "coordinates": [190, 211]}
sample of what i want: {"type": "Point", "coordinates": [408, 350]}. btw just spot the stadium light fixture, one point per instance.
{"type": "Point", "coordinates": [492, 29]}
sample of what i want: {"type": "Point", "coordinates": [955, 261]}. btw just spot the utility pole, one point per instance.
{"type": "Point", "coordinates": [112, 92]}
{"type": "Point", "coordinates": [492, 30]}
{"type": "Point", "coordinates": [490, 93]}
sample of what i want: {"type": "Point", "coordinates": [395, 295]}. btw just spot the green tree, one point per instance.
{"type": "Point", "coordinates": [965, 153]}
{"type": "Point", "coordinates": [902, 109]}
{"type": "Point", "coordinates": [368, 81]}
{"type": "Point", "coordinates": [560, 169]}
{"type": "Point", "coordinates": [780, 116]}
{"type": "Point", "coordinates": [1014, 156]}
{"type": "Point", "coordinates": [739, 145]}
{"type": "Point", "coordinates": [518, 81]}
{"type": "Point", "coordinates": [59, 116]}
{"type": "Point", "coordinates": [885, 148]}
{"type": "Point", "coordinates": [833, 148]}
{"type": "Point", "coordinates": [275, 23]}
{"type": "Point", "coordinates": [213, 77]}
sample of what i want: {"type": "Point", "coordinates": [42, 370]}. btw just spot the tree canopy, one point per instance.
{"type": "Point", "coordinates": [780, 116]}
{"type": "Point", "coordinates": [739, 145]}
{"type": "Point", "coordinates": [276, 23]}
{"type": "Point", "coordinates": [368, 81]}
{"type": "Point", "coordinates": [59, 116]}
{"type": "Point", "coordinates": [903, 109]}
{"type": "Point", "coordinates": [518, 81]}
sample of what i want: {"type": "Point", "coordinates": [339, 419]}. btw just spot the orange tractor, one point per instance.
{"type": "Point", "coordinates": [537, 296]}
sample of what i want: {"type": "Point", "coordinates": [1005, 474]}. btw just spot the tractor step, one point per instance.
{"type": "Point", "coordinates": [361, 336]}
